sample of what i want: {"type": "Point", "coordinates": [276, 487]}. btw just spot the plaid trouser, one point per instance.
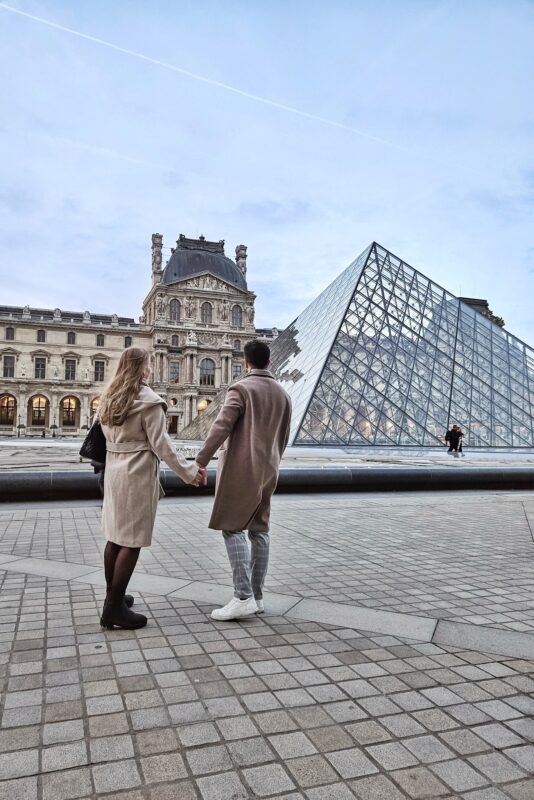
{"type": "Point", "coordinates": [249, 566]}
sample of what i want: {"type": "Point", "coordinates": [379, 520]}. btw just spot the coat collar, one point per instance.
{"type": "Point", "coordinates": [260, 373]}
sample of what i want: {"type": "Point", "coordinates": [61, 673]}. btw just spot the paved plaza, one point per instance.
{"type": "Point", "coordinates": [395, 658]}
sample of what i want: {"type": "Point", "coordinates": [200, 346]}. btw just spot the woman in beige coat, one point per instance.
{"type": "Point", "coordinates": [133, 421]}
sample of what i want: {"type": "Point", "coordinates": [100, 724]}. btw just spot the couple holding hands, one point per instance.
{"type": "Point", "coordinates": [253, 426]}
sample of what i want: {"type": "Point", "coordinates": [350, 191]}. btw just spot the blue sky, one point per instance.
{"type": "Point", "coordinates": [430, 150]}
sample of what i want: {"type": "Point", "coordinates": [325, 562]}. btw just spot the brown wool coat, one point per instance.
{"type": "Point", "coordinates": [254, 425]}
{"type": "Point", "coordinates": [131, 478]}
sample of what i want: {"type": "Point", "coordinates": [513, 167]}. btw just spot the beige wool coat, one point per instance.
{"type": "Point", "coordinates": [253, 424]}
{"type": "Point", "coordinates": [131, 477]}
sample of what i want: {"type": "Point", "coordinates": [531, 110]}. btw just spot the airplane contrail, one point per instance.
{"type": "Point", "coordinates": [202, 78]}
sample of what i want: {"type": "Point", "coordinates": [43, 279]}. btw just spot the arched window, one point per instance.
{"type": "Point", "coordinates": [94, 405]}
{"type": "Point", "coordinates": [175, 341]}
{"type": "Point", "coordinates": [127, 341]}
{"type": "Point", "coordinates": [10, 333]}
{"type": "Point", "coordinates": [8, 407]}
{"type": "Point", "coordinates": [100, 340]}
{"type": "Point", "coordinates": [207, 372]}
{"type": "Point", "coordinates": [175, 310]}
{"type": "Point", "coordinates": [237, 316]}
{"type": "Point", "coordinates": [38, 410]}
{"type": "Point", "coordinates": [69, 406]}
{"type": "Point", "coordinates": [206, 313]}
{"type": "Point", "coordinates": [41, 336]}
{"type": "Point", "coordinates": [237, 344]}
{"type": "Point", "coordinates": [71, 337]}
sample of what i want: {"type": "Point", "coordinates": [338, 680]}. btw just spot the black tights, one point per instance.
{"type": "Point", "coordinates": [119, 564]}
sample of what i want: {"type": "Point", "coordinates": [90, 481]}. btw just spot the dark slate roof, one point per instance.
{"type": "Point", "coordinates": [196, 256]}
{"type": "Point", "coordinates": [68, 317]}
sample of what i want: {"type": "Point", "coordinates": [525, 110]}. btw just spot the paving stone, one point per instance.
{"type": "Point", "coordinates": [19, 738]}
{"type": "Point", "coordinates": [459, 775]}
{"type": "Point", "coordinates": [375, 787]}
{"type": "Point", "coordinates": [17, 765]}
{"type": "Point", "coordinates": [64, 756]}
{"type": "Point", "coordinates": [311, 771]}
{"type": "Point", "coordinates": [351, 763]}
{"type": "Point", "coordinates": [292, 745]}
{"type": "Point", "coordinates": [491, 793]}
{"type": "Point", "coordinates": [124, 775]}
{"type": "Point", "coordinates": [224, 786]}
{"type": "Point", "coordinates": [464, 741]}
{"type": "Point", "coordinates": [163, 767]}
{"type": "Point", "coordinates": [391, 755]}
{"type": "Point", "coordinates": [20, 789]}
{"type": "Point", "coordinates": [67, 785]}
{"type": "Point", "coordinates": [209, 759]}
{"type": "Point", "coordinates": [329, 738]}
{"type": "Point", "coordinates": [247, 752]}
{"type": "Point", "coordinates": [419, 783]}
{"type": "Point", "coordinates": [521, 791]}
{"type": "Point", "coordinates": [68, 731]}
{"type": "Point", "coordinates": [159, 740]}
{"type": "Point", "coordinates": [201, 733]}
{"type": "Point", "coordinates": [275, 722]}
{"type": "Point", "coordinates": [402, 725]}
{"type": "Point", "coordinates": [335, 791]}
{"type": "Point", "coordinates": [497, 735]}
{"type": "Point", "coordinates": [498, 768]}
{"type": "Point", "coordinates": [108, 725]}
{"type": "Point", "coordinates": [111, 748]}
{"type": "Point", "coordinates": [368, 732]}
{"type": "Point", "coordinates": [428, 749]}
{"type": "Point", "coordinates": [184, 790]}
{"type": "Point", "coordinates": [237, 727]}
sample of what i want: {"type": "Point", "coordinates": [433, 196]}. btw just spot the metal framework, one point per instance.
{"type": "Point", "coordinates": [384, 356]}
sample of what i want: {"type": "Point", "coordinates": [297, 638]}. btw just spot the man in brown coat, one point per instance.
{"type": "Point", "coordinates": [254, 424]}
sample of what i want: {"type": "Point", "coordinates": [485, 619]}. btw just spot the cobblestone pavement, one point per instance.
{"type": "Point", "coordinates": [268, 707]}
{"type": "Point", "coordinates": [466, 558]}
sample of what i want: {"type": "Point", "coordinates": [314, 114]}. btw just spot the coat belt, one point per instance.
{"type": "Point", "coordinates": [127, 447]}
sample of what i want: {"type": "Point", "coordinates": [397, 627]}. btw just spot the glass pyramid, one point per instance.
{"type": "Point", "coordinates": [384, 356]}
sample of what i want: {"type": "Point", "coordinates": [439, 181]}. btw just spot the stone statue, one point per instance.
{"type": "Point", "coordinates": [226, 340]}
{"type": "Point", "coordinates": [26, 313]}
{"type": "Point", "coordinates": [56, 373]}
{"type": "Point", "coordinates": [190, 307]}
{"type": "Point", "coordinates": [57, 315]}
{"type": "Point", "coordinates": [22, 370]}
{"type": "Point", "coordinates": [250, 312]}
{"type": "Point", "coordinates": [160, 306]}
{"type": "Point", "coordinates": [241, 258]}
{"type": "Point", "coordinates": [223, 310]}
{"type": "Point", "coordinates": [114, 319]}
{"type": "Point", "coordinates": [87, 317]}
{"type": "Point", "coordinates": [192, 338]}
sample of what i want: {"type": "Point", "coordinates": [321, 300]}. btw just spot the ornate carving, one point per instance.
{"type": "Point", "coordinates": [157, 246]}
{"type": "Point", "coordinates": [224, 306]}
{"type": "Point", "coordinates": [192, 338]}
{"type": "Point", "coordinates": [87, 318]}
{"type": "Point", "coordinates": [208, 338]}
{"type": "Point", "coordinates": [26, 313]}
{"type": "Point", "coordinates": [57, 315]}
{"type": "Point", "coordinates": [241, 258]}
{"type": "Point", "coordinates": [190, 307]}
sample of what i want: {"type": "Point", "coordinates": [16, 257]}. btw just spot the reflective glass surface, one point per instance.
{"type": "Point", "coordinates": [386, 357]}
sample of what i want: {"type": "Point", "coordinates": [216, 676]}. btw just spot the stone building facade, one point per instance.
{"type": "Point", "coordinates": [197, 317]}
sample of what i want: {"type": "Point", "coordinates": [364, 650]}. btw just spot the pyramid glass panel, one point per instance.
{"type": "Point", "coordinates": [386, 357]}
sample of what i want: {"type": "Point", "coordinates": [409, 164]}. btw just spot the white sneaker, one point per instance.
{"type": "Point", "coordinates": [261, 607]}
{"type": "Point", "coordinates": [235, 609]}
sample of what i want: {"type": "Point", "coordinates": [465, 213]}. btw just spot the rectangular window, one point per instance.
{"type": "Point", "coordinates": [9, 366]}
{"type": "Point", "coordinates": [236, 371]}
{"type": "Point", "coordinates": [174, 372]}
{"type": "Point", "coordinates": [40, 367]}
{"type": "Point", "coordinates": [70, 369]}
{"type": "Point", "coordinates": [99, 370]}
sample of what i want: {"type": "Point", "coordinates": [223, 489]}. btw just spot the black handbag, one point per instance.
{"type": "Point", "coordinates": [94, 444]}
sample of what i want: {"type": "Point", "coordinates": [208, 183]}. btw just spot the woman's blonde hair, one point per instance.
{"type": "Point", "coordinates": [118, 398]}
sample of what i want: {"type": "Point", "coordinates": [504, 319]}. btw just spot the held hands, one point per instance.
{"type": "Point", "coordinates": [201, 478]}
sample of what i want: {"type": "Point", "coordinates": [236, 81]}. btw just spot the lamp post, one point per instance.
{"type": "Point", "coordinates": [18, 429]}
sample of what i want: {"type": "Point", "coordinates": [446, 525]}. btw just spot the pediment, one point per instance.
{"type": "Point", "coordinates": [208, 282]}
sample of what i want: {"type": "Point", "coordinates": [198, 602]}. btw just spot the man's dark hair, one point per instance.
{"type": "Point", "coordinates": [257, 353]}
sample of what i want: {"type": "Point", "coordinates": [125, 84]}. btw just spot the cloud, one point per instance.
{"type": "Point", "coordinates": [18, 201]}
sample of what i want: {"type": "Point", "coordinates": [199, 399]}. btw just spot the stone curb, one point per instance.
{"type": "Point", "coordinates": [64, 485]}
{"type": "Point", "coordinates": [482, 638]}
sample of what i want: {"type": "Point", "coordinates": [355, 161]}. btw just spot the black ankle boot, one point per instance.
{"type": "Point", "coordinates": [128, 599]}
{"type": "Point", "coordinates": [121, 617]}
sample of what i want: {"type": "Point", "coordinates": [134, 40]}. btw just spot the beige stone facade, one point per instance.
{"type": "Point", "coordinates": [197, 317]}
